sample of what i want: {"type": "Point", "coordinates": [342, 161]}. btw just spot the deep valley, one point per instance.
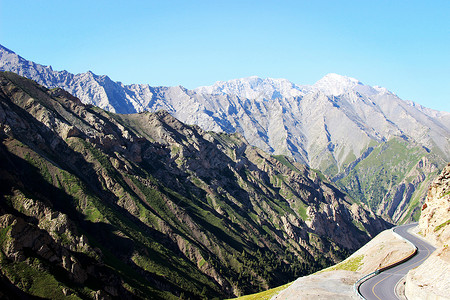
{"type": "Point", "coordinates": [96, 204]}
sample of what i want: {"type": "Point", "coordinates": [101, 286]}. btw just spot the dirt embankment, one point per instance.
{"type": "Point", "coordinates": [431, 280]}
{"type": "Point", "coordinates": [337, 281]}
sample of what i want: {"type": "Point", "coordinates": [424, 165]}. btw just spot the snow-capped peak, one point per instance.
{"type": "Point", "coordinates": [335, 84]}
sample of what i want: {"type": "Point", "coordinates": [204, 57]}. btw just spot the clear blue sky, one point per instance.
{"type": "Point", "coordinates": [401, 45]}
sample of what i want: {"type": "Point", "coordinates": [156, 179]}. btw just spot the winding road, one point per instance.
{"type": "Point", "coordinates": [382, 286]}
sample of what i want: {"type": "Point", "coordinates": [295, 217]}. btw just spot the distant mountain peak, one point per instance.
{"type": "Point", "coordinates": [335, 84]}
{"type": "Point", "coordinates": [340, 78]}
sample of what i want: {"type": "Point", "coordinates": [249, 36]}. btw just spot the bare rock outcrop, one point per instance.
{"type": "Point", "coordinates": [434, 221]}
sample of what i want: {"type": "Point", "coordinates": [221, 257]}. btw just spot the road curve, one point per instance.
{"type": "Point", "coordinates": [382, 286]}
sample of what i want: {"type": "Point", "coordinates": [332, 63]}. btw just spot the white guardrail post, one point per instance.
{"type": "Point", "coordinates": [358, 283]}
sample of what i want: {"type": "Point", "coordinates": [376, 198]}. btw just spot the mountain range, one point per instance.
{"type": "Point", "coordinates": [99, 205]}
{"type": "Point", "coordinates": [378, 148]}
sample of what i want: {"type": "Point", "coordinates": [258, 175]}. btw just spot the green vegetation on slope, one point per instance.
{"type": "Point", "coordinates": [266, 295]}
{"type": "Point", "coordinates": [378, 178]}
{"type": "Point", "coordinates": [440, 226]}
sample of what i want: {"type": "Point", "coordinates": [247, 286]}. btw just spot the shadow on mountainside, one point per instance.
{"type": "Point", "coordinates": [19, 174]}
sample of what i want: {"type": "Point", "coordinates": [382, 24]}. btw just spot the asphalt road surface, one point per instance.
{"type": "Point", "coordinates": [382, 286]}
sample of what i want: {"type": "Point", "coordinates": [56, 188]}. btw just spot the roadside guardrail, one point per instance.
{"type": "Point", "coordinates": [378, 271]}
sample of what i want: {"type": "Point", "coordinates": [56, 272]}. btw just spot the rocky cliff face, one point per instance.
{"type": "Point", "coordinates": [98, 205]}
{"type": "Point", "coordinates": [434, 220]}
{"type": "Point", "coordinates": [337, 125]}
{"type": "Point", "coordinates": [431, 280]}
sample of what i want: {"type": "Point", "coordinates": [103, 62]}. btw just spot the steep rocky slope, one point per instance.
{"type": "Point", "coordinates": [95, 205]}
{"type": "Point", "coordinates": [351, 132]}
{"type": "Point", "coordinates": [431, 280]}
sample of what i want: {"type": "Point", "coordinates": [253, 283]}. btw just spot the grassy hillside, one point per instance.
{"type": "Point", "coordinates": [392, 179]}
